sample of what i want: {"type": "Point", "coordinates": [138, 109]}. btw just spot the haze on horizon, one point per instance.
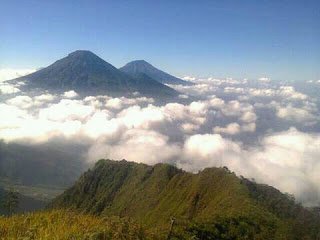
{"type": "Point", "coordinates": [262, 129]}
{"type": "Point", "coordinates": [274, 39]}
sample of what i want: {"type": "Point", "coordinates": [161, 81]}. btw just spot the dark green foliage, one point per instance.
{"type": "Point", "coordinates": [214, 201]}
{"type": "Point", "coordinates": [12, 202]}
{"type": "Point", "coordinates": [307, 221]}
{"type": "Point", "coordinates": [224, 228]}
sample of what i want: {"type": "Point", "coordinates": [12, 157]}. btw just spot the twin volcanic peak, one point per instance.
{"type": "Point", "coordinates": [141, 66]}
{"type": "Point", "coordinates": [85, 72]}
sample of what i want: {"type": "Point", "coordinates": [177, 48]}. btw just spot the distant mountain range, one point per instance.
{"type": "Point", "coordinates": [85, 72]}
{"type": "Point", "coordinates": [212, 203]}
{"type": "Point", "coordinates": [140, 66]}
{"type": "Point", "coordinates": [55, 166]}
{"type": "Point", "coordinates": [25, 204]}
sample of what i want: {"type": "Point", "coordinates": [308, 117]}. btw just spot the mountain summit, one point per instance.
{"type": "Point", "coordinates": [141, 66]}
{"type": "Point", "coordinates": [85, 72]}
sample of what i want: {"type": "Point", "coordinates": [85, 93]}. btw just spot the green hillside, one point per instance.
{"type": "Point", "coordinates": [214, 201]}
{"type": "Point", "coordinates": [24, 203]}
{"type": "Point", "coordinates": [63, 225]}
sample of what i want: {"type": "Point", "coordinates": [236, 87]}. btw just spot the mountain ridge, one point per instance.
{"type": "Point", "coordinates": [153, 194]}
{"type": "Point", "coordinates": [142, 66]}
{"type": "Point", "coordinates": [84, 71]}
{"type": "Point", "coordinates": [25, 203]}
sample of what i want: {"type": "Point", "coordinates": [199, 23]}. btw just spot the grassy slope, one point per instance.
{"type": "Point", "coordinates": [152, 195]}
{"type": "Point", "coordinates": [62, 225]}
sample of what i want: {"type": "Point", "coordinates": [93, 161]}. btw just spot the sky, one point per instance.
{"type": "Point", "coordinates": [239, 39]}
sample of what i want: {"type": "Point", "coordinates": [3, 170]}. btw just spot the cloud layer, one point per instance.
{"type": "Point", "coordinates": [260, 130]}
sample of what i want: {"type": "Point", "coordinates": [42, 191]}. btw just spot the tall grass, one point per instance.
{"type": "Point", "coordinates": [63, 225]}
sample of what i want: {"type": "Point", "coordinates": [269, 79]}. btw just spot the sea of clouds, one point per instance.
{"type": "Point", "coordinates": [262, 129]}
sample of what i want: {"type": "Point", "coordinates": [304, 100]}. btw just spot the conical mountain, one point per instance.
{"type": "Point", "coordinates": [141, 66]}
{"type": "Point", "coordinates": [85, 72]}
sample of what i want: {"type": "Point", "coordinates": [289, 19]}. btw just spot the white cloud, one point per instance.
{"type": "Point", "coordinates": [176, 111]}
{"type": "Point", "coordinates": [264, 92]}
{"type": "Point", "coordinates": [235, 128]}
{"type": "Point", "coordinates": [188, 78]}
{"type": "Point", "coordinates": [250, 127]}
{"type": "Point", "coordinates": [141, 145]}
{"type": "Point", "coordinates": [45, 97]}
{"type": "Point", "coordinates": [248, 117]}
{"type": "Point", "coordinates": [144, 99]}
{"type": "Point", "coordinates": [136, 116]}
{"type": "Point", "coordinates": [290, 92]}
{"type": "Point", "coordinates": [12, 116]}
{"type": "Point", "coordinates": [8, 74]}
{"type": "Point", "coordinates": [288, 160]}
{"type": "Point", "coordinates": [264, 79]}
{"type": "Point", "coordinates": [236, 108]}
{"type": "Point", "coordinates": [196, 90]}
{"type": "Point", "coordinates": [21, 101]}
{"type": "Point", "coordinates": [295, 114]}
{"type": "Point", "coordinates": [70, 94]}
{"type": "Point", "coordinates": [231, 129]}
{"type": "Point", "coordinates": [66, 109]}
{"type": "Point", "coordinates": [189, 127]}
{"type": "Point", "coordinates": [8, 89]}
{"type": "Point", "coordinates": [183, 96]}
{"type": "Point", "coordinates": [235, 90]}
{"type": "Point", "coordinates": [115, 103]}
{"type": "Point", "coordinates": [93, 101]}
{"type": "Point", "coordinates": [208, 150]}
{"type": "Point", "coordinates": [198, 108]}
{"type": "Point", "coordinates": [216, 102]}
{"type": "Point", "coordinates": [101, 124]}
{"type": "Point", "coordinates": [181, 133]}
{"type": "Point", "coordinates": [25, 102]}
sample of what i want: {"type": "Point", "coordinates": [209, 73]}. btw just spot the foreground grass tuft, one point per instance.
{"type": "Point", "coordinates": [62, 224]}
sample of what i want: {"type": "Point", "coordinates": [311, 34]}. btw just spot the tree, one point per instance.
{"type": "Point", "coordinates": [11, 201]}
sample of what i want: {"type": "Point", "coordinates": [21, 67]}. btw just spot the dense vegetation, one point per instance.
{"type": "Point", "coordinates": [213, 204]}
{"type": "Point", "coordinates": [13, 202]}
{"type": "Point", "coordinates": [63, 225]}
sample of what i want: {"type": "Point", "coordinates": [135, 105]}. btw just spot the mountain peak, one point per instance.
{"type": "Point", "coordinates": [87, 73]}
{"type": "Point", "coordinates": [139, 62]}
{"type": "Point", "coordinates": [141, 66]}
{"type": "Point", "coordinates": [82, 53]}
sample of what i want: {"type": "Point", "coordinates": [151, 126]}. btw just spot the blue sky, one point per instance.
{"type": "Point", "coordinates": [241, 39]}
